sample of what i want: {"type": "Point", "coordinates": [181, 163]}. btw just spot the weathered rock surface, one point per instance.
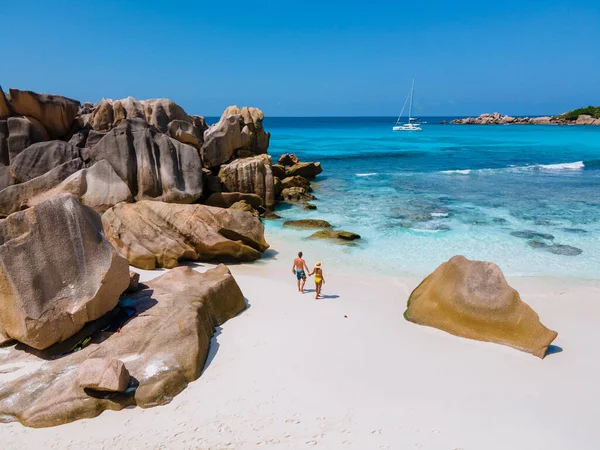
{"type": "Point", "coordinates": [103, 374]}
{"type": "Point", "coordinates": [222, 140]}
{"type": "Point", "coordinates": [98, 187]}
{"type": "Point", "coordinates": [57, 272]}
{"type": "Point", "coordinates": [4, 107]}
{"type": "Point", "coordinates": [20, 196]}
{"type": "Point", "coordinates": [238, 130]}
{"type": "Point", "coordinates": [339, 236]}
{"type": "Point", "coordinates": [56, 113]}
{"type": "Point", "coordinates": [252, 126]}
{"type": "Point", "coordinates": [6, 177]}
{"type": "Point", "coordinates": [134, 282]}
{"type": "Point", "coordinates": [296, 194]}
{"type": "Point", "coordinates": [40, 158]}
{"type": "Point", "coordinates": [288, 159]}
{"type": "Point", "coordinates": [278, 171]}
{"type": "Point", "coordinates": [164, 345]}
{"type": "Point", "coordinates": [152, 234]}
{"type": "Point", "coordinates": [185, 132]}
{"type": "Point", "coordinates": [23, 132]}
{"type": "Point", "coordinates": [307, 170]}
{"type": "Point", "coordinates": [4, 148]}
{"type": "Point", "coordinates": [161, 111]}
{"type": "Point", "coordinates": [242, 205]}
{"type": "Point", "coordinates": [153, 165]}
{"type": "Point", "coordinates": [226, 199]}
{"type": "Point", "coordinates": [472, 299]}
{"type": "Point", "coordinates": [307, 223]}
{"type": "Point", "coordinates": [250, 175]}
{"type": "Point", "coordinates": [296, 181]}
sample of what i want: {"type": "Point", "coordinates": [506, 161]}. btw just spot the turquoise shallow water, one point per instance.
{"type": "Point", "coordinates": [524, 197]}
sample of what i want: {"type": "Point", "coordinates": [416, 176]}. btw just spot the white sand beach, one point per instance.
{"type": "Point", "coordinates": [349, 372]}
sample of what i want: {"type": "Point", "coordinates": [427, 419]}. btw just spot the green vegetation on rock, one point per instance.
{"type": "Point", "coordinates": [593, 111]}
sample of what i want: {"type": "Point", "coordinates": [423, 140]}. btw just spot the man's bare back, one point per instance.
{"type": "Point", "coordinates": [300, 264]}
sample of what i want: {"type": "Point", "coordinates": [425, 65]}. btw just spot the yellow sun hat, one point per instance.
{"type": "Point", "coordinates": [318, 264]}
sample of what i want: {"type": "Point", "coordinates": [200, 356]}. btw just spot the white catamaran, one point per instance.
{"type": "Point", "coordinates": [412, 124]}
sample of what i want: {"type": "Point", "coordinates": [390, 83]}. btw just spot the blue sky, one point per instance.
{"type": "Point", "coordinates": [307, 58]}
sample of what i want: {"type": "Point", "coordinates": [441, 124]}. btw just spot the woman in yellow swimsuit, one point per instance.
{"type": "Point", "coordinates": [319, 278]}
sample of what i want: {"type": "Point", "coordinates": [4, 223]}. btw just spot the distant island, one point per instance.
{"type": "Point", "coordinates": [582, 116]}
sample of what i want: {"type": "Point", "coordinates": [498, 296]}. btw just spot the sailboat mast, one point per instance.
{"type": "Point", "coordinates": [412, 90]}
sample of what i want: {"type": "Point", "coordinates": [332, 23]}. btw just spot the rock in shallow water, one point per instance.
{"type": "Point", "coordinates": [164, 346]}
{"type": "Point", "coordinates": [57, 272]}
{"type": "Point", "coordinates": [527, 234]}
{"type": "Point", "coordinates": [472, 299]}
{"type": "Point", "coordinates": [339, 236]}
{"type": "Point", "coordinates": [307, 223]}
{"type": "Point", "coordinates": [575, 230]}
{"type": "Point", "coordinates": [558, 249]}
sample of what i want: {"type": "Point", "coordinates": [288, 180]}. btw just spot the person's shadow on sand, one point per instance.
{"type": "Point", "coordinates": [323, 296]}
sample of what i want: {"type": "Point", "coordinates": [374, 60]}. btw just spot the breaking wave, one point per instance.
{"type": "Point", "coordinates": [560, 167]}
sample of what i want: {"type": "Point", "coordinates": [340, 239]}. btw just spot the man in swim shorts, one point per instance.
{"type": "Point", "coordinates": [300, 268]}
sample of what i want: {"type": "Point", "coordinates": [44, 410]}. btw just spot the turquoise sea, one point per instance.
{"type": "Point", "coordinates": [524, 197]}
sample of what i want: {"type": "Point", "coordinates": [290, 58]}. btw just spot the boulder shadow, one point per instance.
{"type": "Point", "coordinates": [212, 350]}
{"type": "Point", "coordinates": [118, 397]}
{"type": "Point", "coordinates": [270, 253]}
{"type": "Point", "coordinates": [191, 264]}
{"type": "Point", "coordinates": [214, 343]}
{"type": "Point", "coordinates": [552, 349]}
{"type": "Point", "coordinates": [99, 330]}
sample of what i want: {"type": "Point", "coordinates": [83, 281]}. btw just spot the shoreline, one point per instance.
{"type": "Point", "coordinates": [349, 372]}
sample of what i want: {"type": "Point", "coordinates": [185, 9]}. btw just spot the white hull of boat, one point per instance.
{"type": "Point", "coordinates": [409, 127]}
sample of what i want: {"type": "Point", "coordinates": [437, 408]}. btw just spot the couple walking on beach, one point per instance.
{"type": "Point", "coordinates": [300, 269]}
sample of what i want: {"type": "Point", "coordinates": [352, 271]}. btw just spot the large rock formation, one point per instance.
{"type": "Point", "coordinates": [153, 165]}
{"type": "Point", "coordinates": [305, 170]}
{"type": "Point", "coordinates": [23, 132]}
{"type": "Point", "coordinates": [296, 194]}
{"type": "Point", "coordinates": [57, 272]}
{"type": "Point", "coordinates": [288, 159]}
{"type": "Point", "coordinates": [55, 113]}
{"type": "Point", "coordinates": [250, 175]}
{"type": "Point", "coordinates": [164, 347]}
{"type": "Point", "coordinates": [239, 132]}
{"type": "Point", "coordinates": [226, 199]}
{"type": "Point", "coordinates": [472, 299]}
{"type": "Point", "coordinates": [6, 177]}
{"type": "Point", "coordinates": [499, 119]}
{"type": "Point", "coordinates": [152, 234]}
{"type": "Point", "coordinates": [18, 197]}
{"type": "Point", "coordinates": [161, 113]}
{"type": "Point", "coordinates": [40, 158]}
{"type": "Point", "coordinates": [98, 187]}
{"type": "Point", "coordinates": [296, 181]}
